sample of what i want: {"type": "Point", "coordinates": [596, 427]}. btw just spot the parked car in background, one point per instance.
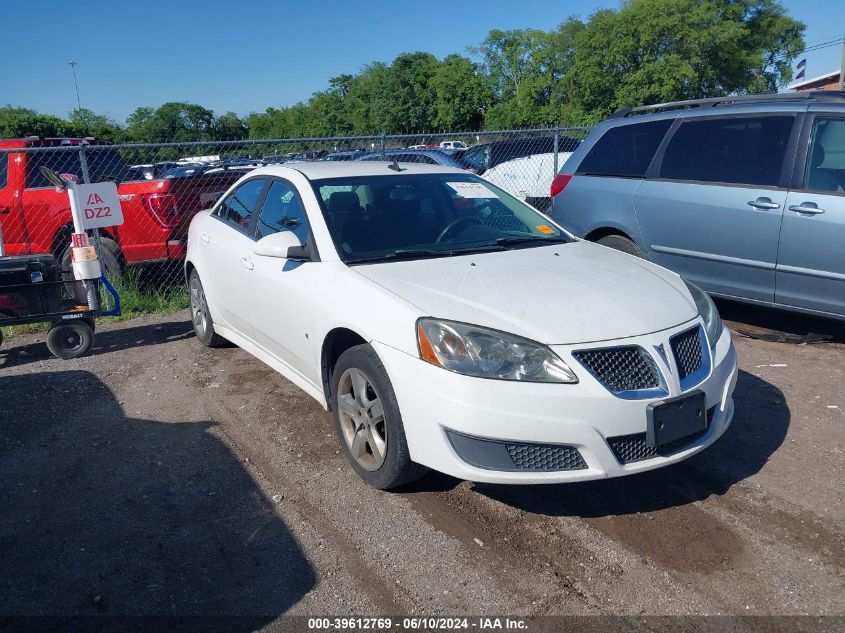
{"type": "Point", "coordinates": [523, 167]}
{"type": "Point", "coordinates": [448, 325]}
{"type": "Point", "coordinates": [453, 145]}
{"type": "Point", "coordinates": [744, 196]}
{"type": "Point", "coordinates": [35, 218]}
{"type": "Point", "coordinates": [343, 156]}
{"type": "Point", "coordinates": [424, 156]}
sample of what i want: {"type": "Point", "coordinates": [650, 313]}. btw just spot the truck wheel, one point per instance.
{"type": "Point", "coordinates": [368, 421]}
{"type": "Point", "coordinates": [201, 315]}
{"type": "Point", "coordinates": [621, 243]}
{"type": "Point", "coordinates": [70, 340]}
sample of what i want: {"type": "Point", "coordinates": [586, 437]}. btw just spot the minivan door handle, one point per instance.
{"type": "Point", "coordinates": [204, 237]}
{"type": "Point", "coordinates": [806, 207]}
{"type": "Point", "coordinates": [246, 262]}
{"type": "Point", "coordinates": [763, 203]}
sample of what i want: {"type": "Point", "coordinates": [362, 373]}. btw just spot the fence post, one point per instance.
{"type": "Point", "coordinates": [557, 142]}
{"type": "Point", "coordinates": [382, 146]}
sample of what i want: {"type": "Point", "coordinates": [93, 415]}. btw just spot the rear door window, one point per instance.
{"type": "Point", "coordinates": [60, 161]}
{"type": "Point", "coordinates": [736, 150]}
{"type": "Point", "coordinates": [625, 151]}
{"type": "Point", "coordinates": [237, 208]}
{"type": "Point", "coordinates": [4, 170]}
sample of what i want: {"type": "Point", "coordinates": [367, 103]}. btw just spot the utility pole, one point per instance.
{"type": "Point", "coordinates": [842, 68]}
{"type": "Point", "coordinates": [72, 65]}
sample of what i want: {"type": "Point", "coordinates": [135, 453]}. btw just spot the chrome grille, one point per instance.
{"type": "Point", "coordinates": [621, 368]}
{"type": "Point", "coordinates": [545, 457]}
{"type": "Point", "coordinates": [686, 347]}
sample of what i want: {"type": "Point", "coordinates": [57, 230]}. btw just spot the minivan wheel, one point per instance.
{"type": "Point", "coordinates": [368, 421]}
{"type": "Point", "coordinates": [621, 243]}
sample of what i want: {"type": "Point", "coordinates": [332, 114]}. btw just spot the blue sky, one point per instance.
{"type": "Point", "coordinates": [246, 55]}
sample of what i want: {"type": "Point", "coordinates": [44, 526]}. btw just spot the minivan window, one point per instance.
{"type": "Point", "coordinates": [625, 150]}
{"type": "Point", "coordinates": [735, 150]}
{"type": "Point", "coordinates": [825, 169]}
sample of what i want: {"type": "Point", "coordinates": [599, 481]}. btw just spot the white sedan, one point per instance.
{"type": "Point", "coordinates": [448, 325]}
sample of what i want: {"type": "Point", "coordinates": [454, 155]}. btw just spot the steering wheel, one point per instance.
{"type": "Point", "coordinates": [453, 225]}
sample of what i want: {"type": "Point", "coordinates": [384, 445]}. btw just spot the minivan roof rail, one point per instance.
{"type": "Point", "coordinates": [818, 96]}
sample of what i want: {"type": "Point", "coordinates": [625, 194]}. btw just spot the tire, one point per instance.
{"type": "Point", "coordinates": [70, 340]}
{"type": "Point", "coordinates": [200, 315]}
{"type": "Point", "coordinates": [368, 422]}
{"type": "Point", "coordinates": [621, 243]}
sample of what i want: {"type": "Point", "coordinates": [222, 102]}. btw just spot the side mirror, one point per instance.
{"type": "Point", "coordinates": [284, 245]}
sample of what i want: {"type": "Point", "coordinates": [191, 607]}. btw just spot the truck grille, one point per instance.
{"type": "Point", "coordinates": [633, 448]}
{"type": "Point", "coordinates": [621, 368]}
{"type": "Point", "coordinates": [686, 347]}
{"type": "Point", "coordinates": [545, 457]}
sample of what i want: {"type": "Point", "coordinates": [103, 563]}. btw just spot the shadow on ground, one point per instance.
{"type": "Point", "coordinates": [105, 342]}
{"type": "Point", "coordinates": [758, 429]}
{"type": "Point", "coordinates": [752, 318]}
{"type": "Point", "coordinates": [113, 516]}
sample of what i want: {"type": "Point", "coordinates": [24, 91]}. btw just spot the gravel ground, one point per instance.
{"type": "Point", "coordinates": [159, 477]}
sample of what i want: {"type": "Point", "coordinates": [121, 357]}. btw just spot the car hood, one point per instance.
{"type": "Point", "coordinates": [563, 294]}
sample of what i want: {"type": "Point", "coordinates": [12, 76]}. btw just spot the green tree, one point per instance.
{"type": "Point", "coordinates": [171, 122]}
{"type": "Point", "coordinates": [652, 51]}
{"type": "Point", "coordinates": [461, 94]}
{"type": "Point", "coordinates": [86, 122]}
{"type": "Point", "coordinates": [408, 98]}
{"type": "Point", "coordinates": [19, 122]}
{"type": "Point", "coordinates": [230, 127]}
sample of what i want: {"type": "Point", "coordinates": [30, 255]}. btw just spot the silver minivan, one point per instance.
{"type": "Point", "coordinates": [743, 196]}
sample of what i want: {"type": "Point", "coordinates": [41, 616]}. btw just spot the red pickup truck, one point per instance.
{"type": "Point", "coordinates": [35, 218]}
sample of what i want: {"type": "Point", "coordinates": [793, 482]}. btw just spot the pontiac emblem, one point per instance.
{"type": "Point", "coordinates": [662, 352]}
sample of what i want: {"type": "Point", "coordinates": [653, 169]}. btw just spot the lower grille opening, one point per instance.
{"type": "Point", "coordinates": [633, 447]}
{"type": "Point", "coordinates": [515, 456]}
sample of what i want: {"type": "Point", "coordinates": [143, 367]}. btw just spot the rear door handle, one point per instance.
{"type": "Point", "coordinates": [4, 210]}
{"type": "Point", "coordinates": [246, 262]}
{"type": "Point", "coordinates": [204, 237]}
{"type": "Point", "coordinates": [763, 203]}
{"type": "Point", "coordinates": [806, 207]}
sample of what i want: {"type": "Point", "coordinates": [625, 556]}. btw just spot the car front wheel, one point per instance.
{"type": "Point", "coordinates": [200, 315]}
{"type": "Point", "coordinates": [368, 421]}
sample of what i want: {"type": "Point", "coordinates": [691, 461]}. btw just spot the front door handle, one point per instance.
{"type": "Point", "coordinates": [806, 207]}
{"type": "Point", "coordinates": [246, 262]}
{"type": "Point", "coordinates": [4, 210]}
{"type": "Point", "coordinates": [763, 203]}
{"type": "Point", "coordinates": [204, 237]}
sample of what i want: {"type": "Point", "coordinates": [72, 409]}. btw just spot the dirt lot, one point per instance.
{"type": "Point", "coordinates": [159, 477]}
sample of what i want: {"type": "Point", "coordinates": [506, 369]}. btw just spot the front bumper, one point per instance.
{"type": "Point", "coordinates": [437, 404]}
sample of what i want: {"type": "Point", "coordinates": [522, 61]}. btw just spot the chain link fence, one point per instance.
{"type": "Point", "coordinates": [162, 186]}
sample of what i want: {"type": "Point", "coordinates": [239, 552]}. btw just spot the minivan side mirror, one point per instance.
{"type": "Point", "coordinates": [284, 245]}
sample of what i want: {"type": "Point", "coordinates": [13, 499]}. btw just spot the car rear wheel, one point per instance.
{"type": "Point", "coordinates": [200, 315]}
{"type": "Point", "coordinates": [621, 243]}
{"type": "Point", "coordinates": [368, 421]}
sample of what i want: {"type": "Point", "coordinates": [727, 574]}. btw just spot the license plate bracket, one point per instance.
{"type": "Point", "coordinates": [675, 418]}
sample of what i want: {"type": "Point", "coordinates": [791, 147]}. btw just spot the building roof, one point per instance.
{"type": "Point", "coordinates": [808, 82]}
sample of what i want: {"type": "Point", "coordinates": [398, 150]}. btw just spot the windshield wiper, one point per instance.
{"type": "Point", "coordinates": [420, 253]}
{"type": "Point", "coordinates": [516, 241]}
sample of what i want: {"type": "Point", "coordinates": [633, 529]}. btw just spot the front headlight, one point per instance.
{"type": "Point", "coordinates": [477, 351]}
{"type": "Point", "coordinates": [707, 310]}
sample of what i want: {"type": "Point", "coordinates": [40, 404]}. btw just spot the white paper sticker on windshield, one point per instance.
{"type": "Point", "coordinates": [471, 190]}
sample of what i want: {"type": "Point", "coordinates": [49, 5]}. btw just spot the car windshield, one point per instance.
{"type": "Point", "coordinates": [374, 218]}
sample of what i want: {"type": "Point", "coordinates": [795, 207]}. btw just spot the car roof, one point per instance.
{"type": "Point", "coordinates": [321, 170]}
